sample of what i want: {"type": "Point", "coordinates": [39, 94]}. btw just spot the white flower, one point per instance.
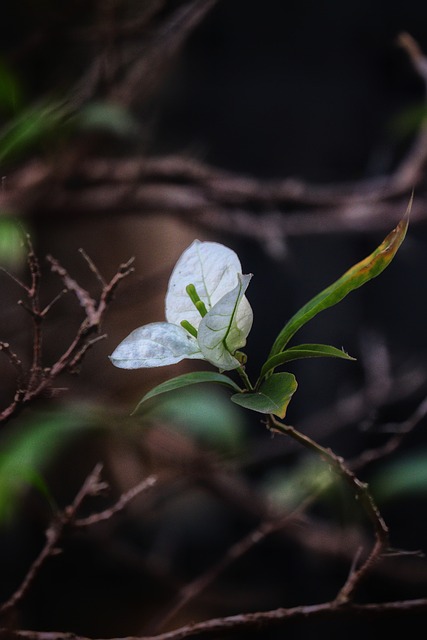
{"type": "Point", "coordinates": [208, 316]}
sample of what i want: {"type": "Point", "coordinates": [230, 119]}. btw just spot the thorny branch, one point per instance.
{"type": "Point", "coordinates": [38, 380]}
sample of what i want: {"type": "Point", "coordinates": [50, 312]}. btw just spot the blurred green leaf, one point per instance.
{"type": "Point", "coordinates": [204, 414]}
{"type": "Point", "coordinates": [273, 396]}
{"type": "Point", "coordinates": [303, 351]}
{"type": "Point", "coordinates": [26, 452]}
{"type": "Point", "coordinates": [30, 128]}
{"type": "Point", "coordinates": [287, 488]}
{"type": "Point", "coordinates": [408, 121]}
{"type": "Point", "coordinates": [352, 279]}
{"type": "Point", "coordinates": [404, 476]}
{"type": "Point", "coordinates": [108, 117]}
{"type": "Point", "coordinates": [12, 249]}
{"type": "Point", "coordinates": [10, 90]}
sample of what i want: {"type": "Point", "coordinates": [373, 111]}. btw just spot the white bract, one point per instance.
{"type": "Point", "coordinates": [208, 316]}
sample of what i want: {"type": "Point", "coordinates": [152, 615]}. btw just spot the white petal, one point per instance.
{"type": "Point", "coordinates": [155, 345]}
{"type": "Point", "coordinates": [225, 328]}
{"type": "Point", "coordinates": [212, 268]}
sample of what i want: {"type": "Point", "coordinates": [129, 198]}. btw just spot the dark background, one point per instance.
{"type": "Point", "coordinates": [317, 91]}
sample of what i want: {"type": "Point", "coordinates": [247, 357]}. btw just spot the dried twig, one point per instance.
{"type": "Point", "coordinates": [253, 621]}
{"type": "Point", "coordinates": [361, 493]}
{"type": "Point", "coordinates": [92, 486]}
{"type": "Point", "coordinates": [39, 379]}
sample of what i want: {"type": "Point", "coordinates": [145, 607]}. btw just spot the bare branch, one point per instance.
{"type": "Point", "coordinates": [38, 380]}
{"type": "Point", "coordinates": [121, 503]}
{"type": "Point", "coordinates": [54, 533]}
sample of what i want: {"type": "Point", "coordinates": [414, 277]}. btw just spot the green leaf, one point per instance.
{"type": "Point", "coordinates": [273, 396]}
{"type": "Point", "coordinates": [184, 381]}
{"type": "Point", "coordinates": [303, 351]}
{"type": "Point", "coordinates": [352, 279]}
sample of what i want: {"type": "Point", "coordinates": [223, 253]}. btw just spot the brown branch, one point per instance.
{"type": "Point", "coordinates": [121, 503]}
{"type": "Point", "coordinates": [54, 533]}
{"type": "Point", "coordinates": [194, 588]}
{"type": "Point", "coordinates": [361, 493]}
{"type": "Point", "coordinates": [141, 77]}
{"type": "Point", "coordinates": [221, 200]}
{"type": "Point", "coordinates": [252, 621]}
{"type": "Point", "coordinates": [92, 486]}
{"type": "Point", "coordinates": [38, 380]}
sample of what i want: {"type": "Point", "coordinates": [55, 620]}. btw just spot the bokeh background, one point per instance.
{"type": "Point", "coordinates": [216, 96]}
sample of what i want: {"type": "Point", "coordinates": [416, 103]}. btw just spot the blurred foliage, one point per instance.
{"type": "Point", "coordinates": [12, 250]}
{"type": "Point", "coordinates": [26, 452]}
{"type": "Point", "coordinates": [107, 117]}
{"type": "Point", "coordinates": [397, 479]}
{"type": "Point", "coordinates": [409, 121]}
{"type": "Point", "coordinates": [33, 128]}
{"type": "Point", "coordinates": [11, 92]}
{"type": "Point", "coordinates": [28, 128]}
{"type": "Point", "coordinates": [206, 415]}
{"type": "Point", "coordinates": [288, 488]}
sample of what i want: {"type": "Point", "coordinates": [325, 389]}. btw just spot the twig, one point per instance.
{"type": "Point", "coordinates": [38, 380]}
{"type": "Point", "coordinates": [252, 621]}
{"type": "Point", "coordinates": [236, 551]}
{"type": "Point", "coordinates": [53, 536]}
{"type": "Point", "coordinates": [361, 492]}
{"type": "Point", "coordinates": [68, 517]}
{"type": "Point", "coordinates": [121, 503]}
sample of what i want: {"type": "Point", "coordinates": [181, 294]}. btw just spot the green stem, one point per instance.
{"type": "Point", "coordinates": [242, 373]}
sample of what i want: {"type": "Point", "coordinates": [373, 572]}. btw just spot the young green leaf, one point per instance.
{"type": "Point", "coordinates": [303, 351]}
{"type": "Point", "coordinates": [273, 396]}
{"type": "Point", "coordinates": [352, 279]}
{"type": "Point", "coordinates": [185, 380]}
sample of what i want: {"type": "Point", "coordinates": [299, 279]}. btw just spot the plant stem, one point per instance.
{"type": "Point", "coordinates": [361, 493]}
{"type": "Point", "coordinates": [242, 373]}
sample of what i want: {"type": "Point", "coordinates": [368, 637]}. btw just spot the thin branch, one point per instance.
{"type": "Point", "coordinates": [121, 503]}
{"type": "Point", "coordinates": [276, 618]}
{"type": "Point", "coordinates": [361, 493]}
{"type": "Point", "coordinates": [39, 379]}
{"type": "Point", "coordinates": [194, 588]}
{"type": "Point", "coordinates": [92, 486]}
{"type": "Point", "coordinates": [54, 533]}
